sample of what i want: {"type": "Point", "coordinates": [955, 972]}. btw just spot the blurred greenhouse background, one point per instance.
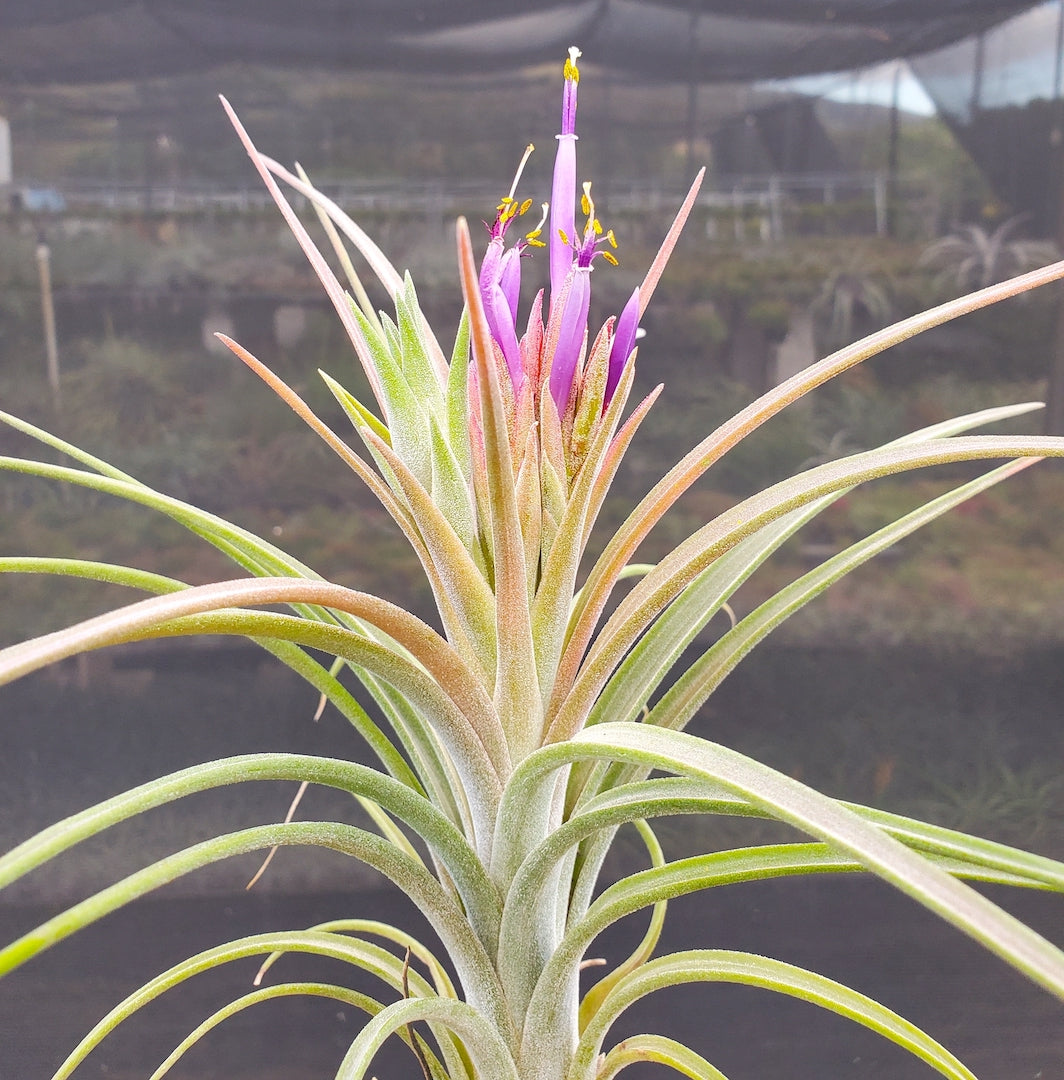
{"type": "Point", "coordinates": [866, 158]}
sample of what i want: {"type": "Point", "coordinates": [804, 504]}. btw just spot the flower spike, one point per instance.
{"type": "Point", "coordinates": [563, 189]}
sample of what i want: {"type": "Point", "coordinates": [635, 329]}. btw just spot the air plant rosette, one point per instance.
{"type": "Point", "coordinates": [547, 709]}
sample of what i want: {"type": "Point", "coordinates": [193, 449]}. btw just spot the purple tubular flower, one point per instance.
{"type": "Point", "coordinates": [503, 330]}
{"type": "Point", "coordinates": [491, 267]}
{"type": "Point", "coordinates": [498, 309]}
{"type": "Point", "coordinates": [570, 337]}
{"type": "Point", "coordinates": [510, 278]}
{"type": "Point", "coordinates": [563, 188]}
{"type": "Point", "coordinates": [623, 343]}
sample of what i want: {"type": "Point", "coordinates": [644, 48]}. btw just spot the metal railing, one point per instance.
{"type": "Point", "coordinates": [763, 203]}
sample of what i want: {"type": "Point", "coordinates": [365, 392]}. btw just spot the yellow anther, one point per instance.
{"type": "Point", "coordinates": [524, 206]}
{"type": "Point", "coordinates": [610, 258]}
{"type": "Point", "coordinates": [571, 71]}
{"type": "Point", "coordinates": [612, 239]}
{"type": "Point", "coordinates": [587, 204]}
{"type": "Point", "coordinates": [565, 239]}
{"type": "Point", "coordinates": [533, 236]}
{"type": "Point", "coordinates": [597, 226]}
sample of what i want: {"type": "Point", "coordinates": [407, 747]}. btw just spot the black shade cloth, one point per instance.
{"type": "Point", "coordinates": [85, 41]}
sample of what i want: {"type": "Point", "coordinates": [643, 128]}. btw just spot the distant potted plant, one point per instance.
{"type": "Point", "coordinates": [974, 256]}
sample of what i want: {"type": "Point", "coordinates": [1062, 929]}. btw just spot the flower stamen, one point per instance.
{"type": "Point", "coordinates": [532, 237]}
{"type": "Point", "coordinates": [508, 207]}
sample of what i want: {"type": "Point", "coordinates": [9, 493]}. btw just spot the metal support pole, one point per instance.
{"type": "Point", "coordinates": [51, 349]}
{"type": "Point", "coordinates": [892, 157]}
{"type": "Point", "coordinates": [1054, 411]}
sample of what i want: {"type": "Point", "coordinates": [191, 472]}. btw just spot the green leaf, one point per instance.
{"type": "Point", "coordinates": [353, 280]}
{"type": "Point", "coordinates": [487, 1049]}
{"type": "Point", "coordinates": [332, 287]}
{"type": "Point", "coordinates": [441, 981]}
{"type": "Point", "coordinates": [450, 490]}
{"type": "Point", "coordinates": [680, 567]}
{"type": "Point", "coordinates": [463, 597]}
{"type": "Point", "coordinates": [444, 840]}
{"type": "Point", "coordinates": [469, 749]}
{"type": "Point", "coordinates": [622, 546]}
{"type": "Point", "coordinates": [458, 400]}
{"type": "Point", "coordinates": [715, 965]}
{"type": "Point", "coordinates": [388, 275]}
{"type": "Point", "coordinates": [683, 699]}
{"type": "Point", "coordinates": [661, 1051]}
{"type": "Point", "coordinates": [594, 998]}
{"type": "Point", "coordinates": [423, 379]}
{"type": "Point", "coordinates": [656, 651]}
{"type": "Point", "coordinates": [357, 413]}
{"type": "Point", "coordinates": [359, 953]}
{"type": "Point", "coordinates": [267, 993]}
{"type": "Point", "coordinates": [516, 685]}
{"type": "Point", "coordinates": [531, 889]}
{"type": "Point", "coordinates": [470, 959]}
{"type": "Point", "coordinates": [787, 800]}
{"type": "Point", "coordinates": [405, 415]}
{"type": "Point", "coordinates": [552, 607]}
{"type": "Point", "coordinates": [294, 657]}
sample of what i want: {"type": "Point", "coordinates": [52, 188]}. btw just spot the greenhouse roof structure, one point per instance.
{"type": "Point", "coordinates": [96, 41]}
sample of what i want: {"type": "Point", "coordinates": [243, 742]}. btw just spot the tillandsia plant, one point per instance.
{"type": "Point", "coordinates": [546, 710]}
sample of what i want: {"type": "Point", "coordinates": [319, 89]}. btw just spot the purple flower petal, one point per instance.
{"type": "Point", "coordinates": [571, 332]}
{"type": "Point", "coordinates": [491, 267]}
{"type": "Point", "coordinates": [563, 187]}
{"type": "Point", "coordinates": [510, 279]}
{"type": "Point", "coordinates": [504, 332]}
{"type": "Point", "coordinates": [623, 343]}
{"type": "Point", "coordinates": [562, 212]}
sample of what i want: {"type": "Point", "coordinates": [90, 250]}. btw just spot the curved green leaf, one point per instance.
{"type": "Point", "coordinates": [466, 951]}
{"type": "Point", "coordinates": [961, 855]}
{"type": "Point", "coordinates": [680, 567]}
{"type": "Point", "coordinates": [683, 699]}
{"type": "Point", "coordinates": [267, 993]}
{"type": "Point", "coordinates": [317, 261]}
{"type": "Point", "coordinates": [298, 660]}
{"type": "Point", "coordinates": [471, 740]}
{"type": "Point", "coordinates": [628, 689]}
{"type": "Point", "coordinates": [661, 1051]}
{"type": "Point", "coordinates": [489, 1053]}
{"type": "Point", "coordinates": [441, 981]}
{"type": "Point", "coordinates": [787, 800]}
{"type": "Point", "coordinates": [361, 954]}
{"type": "Point", "coordinates": [714, 965]}
{"type": "Point", "coordinates": [592, 1000]}
{"type": "Point", "coordinates": [622, 546]}
{"type": "Point", "coordinates": [552, 607]}
{"type": "Point", "coordinates": [446, 842]}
